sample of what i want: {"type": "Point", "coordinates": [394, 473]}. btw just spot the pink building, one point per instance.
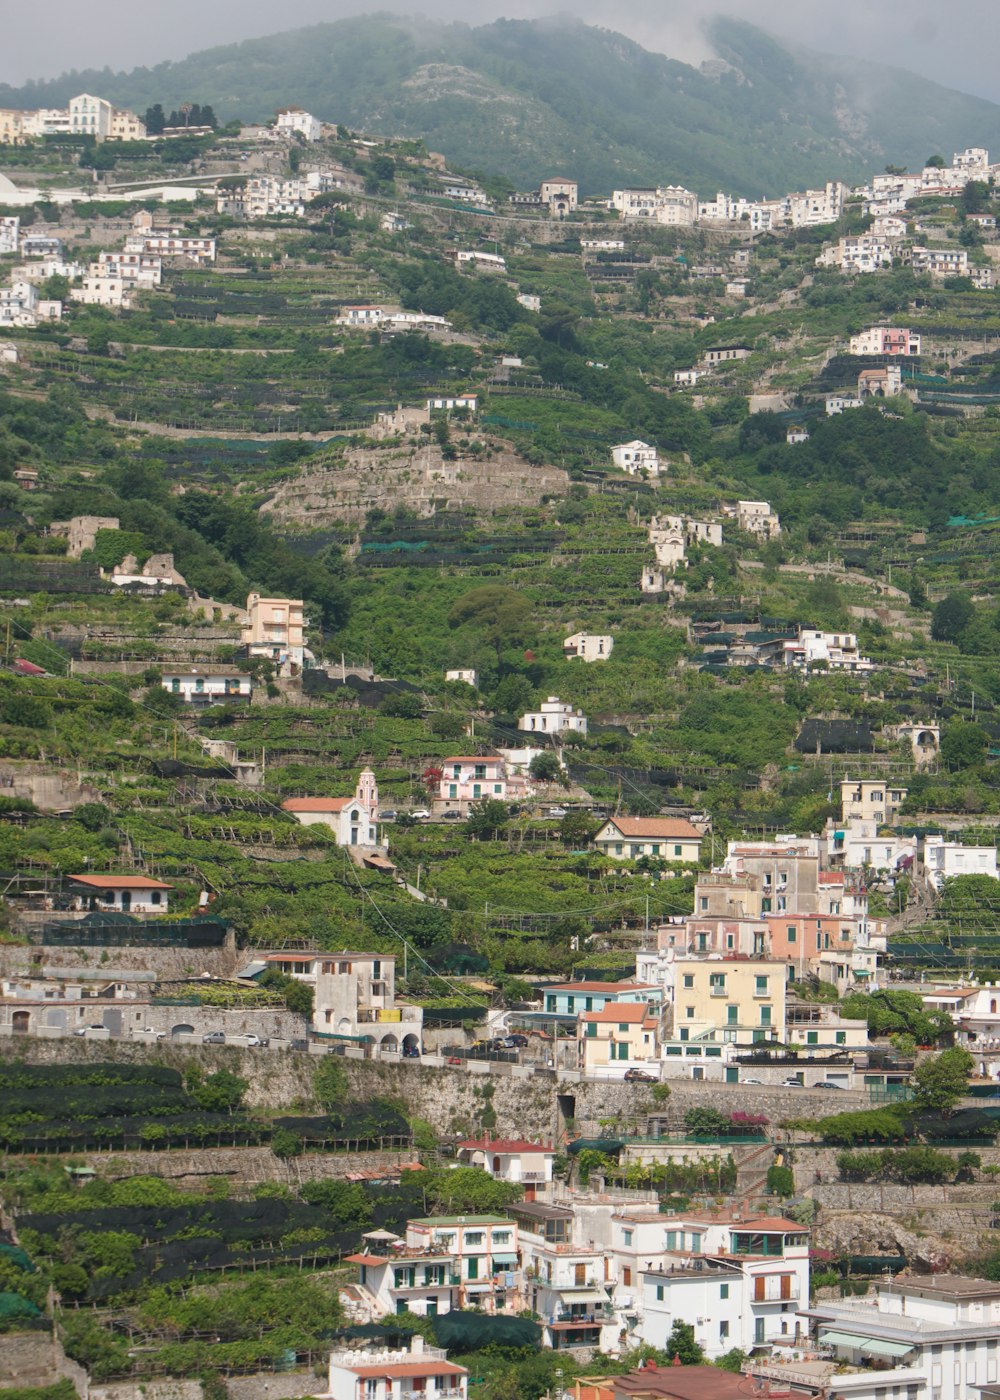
{"type": "Point", "coordinates": [471, 779]}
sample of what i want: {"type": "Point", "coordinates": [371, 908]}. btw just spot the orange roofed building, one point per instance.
{"type": "Point", "coordinates": [663, 838]}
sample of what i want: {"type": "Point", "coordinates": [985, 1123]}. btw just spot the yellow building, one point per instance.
{"type": "Point", "coordinates": [622, 1034]}
{"type": "Point", "coordinates": [870, 801]}
{"type": "Point", "coordinates": [11, 127]}
{"type": "Point", "coordinates": [739, 1001]}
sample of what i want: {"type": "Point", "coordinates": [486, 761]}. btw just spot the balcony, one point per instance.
{"type": "Point", "coordinates": [717, 992]}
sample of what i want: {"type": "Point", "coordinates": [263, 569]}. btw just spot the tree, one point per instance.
{"type": "Point", "coordinates": [576, 829]}
{"type": "Point", "coordinates": [329, 1083]}
{"type": "Point", "coordinates": [469, 1191]}
{"type": "Point", "coordinates": [500, 614]}
{"type": "Point", "coordinates": [285, 1143]}
{"type": "Point", "coordinates": [940, 1082]}
{"type": "Point", "coordinates": [513, 694]}
{"type": "Point", "coordinates": [681, 1343]}
{"type": "Point", "coordinates": [935, 162]}
{"type": "Point", "coordinates": [545, 767]}
{"type": "Point", "coordinates": [962, 745]}
{"type": "Point", "coordinates": [706, 1122]}
{"type": "Point", "coordinates": [487, 819]}
{"type": "Point", "coordinates": [732, 1361]}
{"type": "Point", "coordinates": [951, 617]}
{"type": "Point", "coordinates": [221, 1092]}
{"type": "Point", "coordinates": [155, 119]}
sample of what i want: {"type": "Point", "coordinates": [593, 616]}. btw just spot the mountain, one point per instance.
{"type": "Point", "coordinates": [532, 98]}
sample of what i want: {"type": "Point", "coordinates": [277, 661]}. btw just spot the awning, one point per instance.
{"type": "Point", "coordinates": [844, 1339]}
{"type": "Point", "coordinates": [505, 1259]}
{"type": "Point", "coordinates": [878, 1346]}
{"type": "Point", "coordinates": [583, 1295]}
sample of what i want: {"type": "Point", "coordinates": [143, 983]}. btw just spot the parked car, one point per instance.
{"type": "Point", "coordinates": [82, 1030]}
{"type": "Point", "coordinates": [451, 816]}
{"type": "Point", "coordinates": [157, 1035]}
{"type": "Point", "coordinates": [792, 1083]}
{"type": "Point", "coordinates": [214, 1038]}
{"type": "Point", "coordinates": [388, 816]}
{"type": "Point", "coordinates": [420, 814]}
{"type": "Point", "coordinates": [639, 1076]}
{"type": "Point", "coordinates": [557, 812]}
{"type": "Point", "coordinates": [515, 1042]}
{"type": "Point", "coordinates": [828, 1084]}
{"type": "Point", "coordinates": [255, 1040]}
{"type": "Point", "coordinates": [497, 1043]}
{"type": "Point", "coordinates": [411, 1052]}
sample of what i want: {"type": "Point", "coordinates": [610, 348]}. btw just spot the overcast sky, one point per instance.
{"type": "Point", "coordinates": [956, 46]}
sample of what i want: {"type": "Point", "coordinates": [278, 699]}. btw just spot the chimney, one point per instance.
{"type": "Point", "coordinates": [416, 1345]}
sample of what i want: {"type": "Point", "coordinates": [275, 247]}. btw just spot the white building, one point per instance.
{"type": "Point", "coordinates": [21, 306]}
{"type": "Point", "coordinates": [755, 517]}
{"type": "Point", "coordinates": [474, 257]}
{"type": "Point", "coordinates": [467, 675]}
{"type": "Point", "coordinates": [688, 378]}
{"type": "Point", "coordinates": [740, 1282]}
{"type": "Point", "coordinates": [139, 269]}
{"type": "Point", "coordinates": [587, 646]}
{"type": "Point", "coordinates": [354, 998]}
{"type": "Point", "coordinates": [122, 894]}
{"type": "Point", "coordinates": [838, 651]}
{"type": "Point", "coordinates": [841, 403]}
{"type": "Point", "coordinates": [360, 317]}
{"type": "Point", "coordinates": [9, 231]}
{"type": "Point", "coordinates": [518, 1160]}
{"type": "Point", "coordinates": [554, 717]}
{"type": "Point", "coordinates": [98, 290]}
{"type": "Point", "coordinates": [353, 820]}
{"type": "Point", "coordinates": [172, 245]}
{"type": "Point", "coordinates": [421, 1373]}
{"type": "Point", "coordinates": [945, 860]}
{"type": "Point", "coordinates": [293, 121]}
{"type": "Point", "coordinates": [206, 685]}
{"type": "Point", "coordinates": [860, 252]}
{"type": "Point", "coordinates": [935, 1338]}
{"type": "Point", "coordinates": [459, 403]}
{"type": "Point", "coordinates": [940, 262]}
{"type": "Point", "coordinates": [635, 457]}
{"type": "Point", "coordinates": [90, 116]}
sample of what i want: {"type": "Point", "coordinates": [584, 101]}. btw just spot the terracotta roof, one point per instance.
{"type": "Point", "coordinates": [403, 1369]}
{"type": "Point", "coordinates": [831, 877]}
{"type": "Point", "coordinates": [683, 1383]}
{"type": "Point", "coordinates": [629, 1012]}
{"type": "Point", "coordinates": [315, 804]}
{"type": "Point", "coordinates": [477, 758]}
{"type": "Point", "coordinates": [119, 882]}
{"type": "Point", "coordinates": [666, 827]}
{"type": "Point", "coordinates": [504, 1145]}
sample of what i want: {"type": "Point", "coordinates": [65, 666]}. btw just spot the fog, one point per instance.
{"type": "Point", "coordinates": [956, 48]}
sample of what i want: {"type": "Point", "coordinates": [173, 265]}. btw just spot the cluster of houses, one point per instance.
{"type": "Point", "coordinates": [607, 1275]}
{"type": "Point", "coordinates": [83, 115]}
{"type": "Point", "coordinates": [112, 279]}
{"type": "Point", "coordinates": [678, 207]}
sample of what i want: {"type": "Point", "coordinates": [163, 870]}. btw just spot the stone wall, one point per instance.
{"type": "Point", "coordinates": [166, 964]}
{"type": "Point", "coordinates": [163, 1389]}
{"type": "Point", "coordinates": [37, 1359]}
{"type": "Point", "coordinates": [241, 1165]}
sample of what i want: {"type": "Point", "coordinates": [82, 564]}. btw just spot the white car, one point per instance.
{"type": "Point", "coordinates": [558, 812]}
{"type": "Point", "coordinates": [421, 814]}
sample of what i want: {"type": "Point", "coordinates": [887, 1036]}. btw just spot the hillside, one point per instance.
{"type": "Point", "coordinates": [527, 98]}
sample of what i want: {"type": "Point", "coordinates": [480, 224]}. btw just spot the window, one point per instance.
{"type": "Point", "coordinates": [623, 1030]}
{"type": "Point", "coordinates": [723, 1331]}
{"type": "Point", "coordinates": [654, 850]}
{"type": "Point", "coordinates": [732, 1015]}
{"type": "Point", "coordinates": [689, 1012]}
{"type": "Point", "coordinates": [760, 987]}
{"type": "Point", "coordinates": [677, 851]}
{"type": "Point", "coordinates": [703, 903]}
{"type": "Point", "coordinates": [841, 1037]}
{"type": "Point", "coordinates": [592, 1031]}
{"type": "Point", "coordinates": [723, 1290]}
{"type": "Point", "coordinates": [627, 1277]}
{"type": "Point", "coordinates": [688, 979]}
{"type": "Point", "coordinates": [473, 1237]}
{"type": "Point", "coordinates": [659, 1292]}
{"type": "Point", "coordinates": [685, 1033]}
{"type": "Point", "coordinates": [765, 1015]}
{"type": "Point", "coordinates": [473, 1268]}
{"type": "Point", "coordinates": [671, 1239]}
{"type": "Point", "coordinates": [628, 1236]}
{"type": "Point", "coordinates": [792, 935]}
{"type": "Point", "coordinates": [812, 1037]}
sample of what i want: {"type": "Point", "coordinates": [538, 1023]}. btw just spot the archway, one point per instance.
{"type": "Point", "coordinates": [389, 1045]}
{"type": "Point", "coordinates": [21, 1022]}
{"type": "Point", "coordinates": [181, 1029]}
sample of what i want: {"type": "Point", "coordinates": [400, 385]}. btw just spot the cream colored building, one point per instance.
{"type": "Point", "coordinates": [12, 131]}
{"type": "Point", "coordinates": [619, 1037]}
{"type": "Point", "coordinates": [736, 1000]}
{"type": "Point", "coordinates": [588, 646]}
{"type": "Point", "coordinates": [126, 126]}
{"type": "Point", "coordinates": [870, 800]}
{"type": "Point", "coordinates": [90, 116]}
{"type": "Point", "coordinates": [275, 629]}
